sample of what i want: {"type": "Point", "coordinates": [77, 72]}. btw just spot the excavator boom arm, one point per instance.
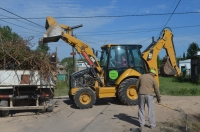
{"type": "Point", "coordinates": [151, 53]}
{"type": "Point", "coordinates": [56, 31]}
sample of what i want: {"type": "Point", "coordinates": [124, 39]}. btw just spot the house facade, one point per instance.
{"type": "Point", "coordinates": [185, 67]}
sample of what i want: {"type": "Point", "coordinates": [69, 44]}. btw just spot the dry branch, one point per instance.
{"type": "Point", "coordinates": [19, 56]}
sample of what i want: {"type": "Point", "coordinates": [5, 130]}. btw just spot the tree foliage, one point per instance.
{"type": "Point", "coordinates": [192, 50]}
{"type": "Point", "coordinates": [184, 57]}
{"type": "Point", "coordinates": [6, 35]}
{"type": "Point", "coordinates": [159, 61]}
{"type": "Point", "coordinates": [68, 64]}
{"type": "Point", "coordinates": [44, 48]}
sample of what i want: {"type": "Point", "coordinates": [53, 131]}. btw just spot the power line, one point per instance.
{"type": "Point", "coordinates": [166, 16]}
{"type": "Point", "coordinates": [20, 26]}
{"type": "Point", "coordinates": [21, 17]}
{"type": "Point", "coordinates": [172, 13]}
{"type": "Point", "coordinates": [17, 20]}
{"type": "Point", "coordinates": [136, 15]}
{"type": "Point", "coordinates": [129, 31]}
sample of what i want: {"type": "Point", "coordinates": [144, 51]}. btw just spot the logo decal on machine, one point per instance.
{"type": "Point", "coordinates": [113, 74]}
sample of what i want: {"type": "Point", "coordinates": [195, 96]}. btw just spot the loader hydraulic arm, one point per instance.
{"type": "Point", "coordinates": [165, 41]}
{"type": "Point", "coordinates": [56, 31]}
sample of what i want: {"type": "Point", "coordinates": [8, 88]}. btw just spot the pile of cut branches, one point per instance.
{"type": "Point", "coordinates": [17, 55]}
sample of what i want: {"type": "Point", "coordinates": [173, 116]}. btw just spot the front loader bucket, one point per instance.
{"type": "Point", "coordinates": [53, 33]}
{"type": "Point", "coordinates": [166, 68]}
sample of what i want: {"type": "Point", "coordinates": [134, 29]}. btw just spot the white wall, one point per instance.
{"type": "Point", "coordinates": [186, 63]}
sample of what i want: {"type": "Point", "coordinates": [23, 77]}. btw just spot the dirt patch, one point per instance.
{"type": "Point", "coordinates": [182, 115]}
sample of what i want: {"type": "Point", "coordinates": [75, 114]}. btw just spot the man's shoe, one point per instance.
{"type": "Point", "coordinates": [151, 127]}
{"type": "Point", "coordinates": [136, 129]}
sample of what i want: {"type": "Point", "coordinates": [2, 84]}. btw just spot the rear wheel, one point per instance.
{"type": "Point", "coordinates": [127, 92]}
{"type": "Point", "coordinates": [50, 108]}
{"type": "Point", "coordinates": [4, 103]}
{"type": "Point", "coordinates": [84, 98]}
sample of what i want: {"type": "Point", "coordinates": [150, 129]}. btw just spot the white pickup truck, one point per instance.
{"type": "Point", "coordinates": [25, 90]}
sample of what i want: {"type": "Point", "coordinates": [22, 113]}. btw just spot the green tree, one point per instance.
{"type": "Point", "coordinates": [68, 63]}
{"type": "Point", "coordinates": [179, 58]}
{"type": "Point", "coordinates": [6, 35]}
{"type": "Point", "coordinates": [192, 50]}
{"type": "Point", "coordinates": [184, 57]}
{"type": "Point", "coordinates": [44, 48]}
{"type": "Point", "coordinates": [159, 61]}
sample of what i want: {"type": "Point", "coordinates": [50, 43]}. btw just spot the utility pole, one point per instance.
{"type": "Point", "coordinates": [74, 59]}
{"type": "Point", "coordinates": [73, 52]}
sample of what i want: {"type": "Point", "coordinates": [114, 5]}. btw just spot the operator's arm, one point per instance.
{"type": "Point", "coordinates": [156, 89]}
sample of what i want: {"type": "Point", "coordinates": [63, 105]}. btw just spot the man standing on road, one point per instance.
{"type": "Point", "coordinates": [145, 86]}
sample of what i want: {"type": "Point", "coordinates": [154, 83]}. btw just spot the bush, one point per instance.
{"type": "Point", "coordinates": [181, 79]}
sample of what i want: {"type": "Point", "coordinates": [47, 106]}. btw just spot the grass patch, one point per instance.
{"type": "Point", "coordinates": [170, 86]}
{"type": "Point", "coordinates": [62, 88]}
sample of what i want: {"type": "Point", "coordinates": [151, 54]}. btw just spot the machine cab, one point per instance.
{"type": "Point", "coordinates": [116, 59]}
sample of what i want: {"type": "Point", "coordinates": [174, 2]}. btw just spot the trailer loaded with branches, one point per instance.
{"type": "Point", "coordinates": [27, 78]}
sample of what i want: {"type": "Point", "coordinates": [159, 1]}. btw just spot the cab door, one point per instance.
{"type": "Point", "coordinates": [117, 63]}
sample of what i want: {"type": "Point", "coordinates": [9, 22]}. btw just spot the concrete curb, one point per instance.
{"type": "Point", "coordinates": [61, 97]}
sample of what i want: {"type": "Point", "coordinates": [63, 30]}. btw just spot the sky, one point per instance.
{"type": "Point", "coordinates": [106, 21]}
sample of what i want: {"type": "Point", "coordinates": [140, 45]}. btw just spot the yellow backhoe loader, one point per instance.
{"type": "Point", "coordinates": [118, 70]}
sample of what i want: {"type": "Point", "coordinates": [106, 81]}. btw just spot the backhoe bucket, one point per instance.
{"type": "Point", "coordinates": [166, 68]}
{"type": "Point", "coordinates": [53, 33]}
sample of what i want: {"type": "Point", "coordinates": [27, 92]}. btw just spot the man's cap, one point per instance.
{"type": "Point", "coordinates": [153, 71]}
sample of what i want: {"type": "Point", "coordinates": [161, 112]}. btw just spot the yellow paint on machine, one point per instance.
{"type": "Point", "coordinates": [128, 73]}
{"type": "Point", "coordinates": [105, 92]}
{"type": "Point", "coordinates": [101, 92]}
{"type": "Point", "coordinates": [73, 90]}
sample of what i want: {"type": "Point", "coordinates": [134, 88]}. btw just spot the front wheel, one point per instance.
{"type": "Point", "coordinates": [84, 98]}
{"type": "Point", "coordinates": [127, 91]}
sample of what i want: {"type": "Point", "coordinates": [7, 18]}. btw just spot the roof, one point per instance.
{"type": "Point", "coordinates": [185, 61]}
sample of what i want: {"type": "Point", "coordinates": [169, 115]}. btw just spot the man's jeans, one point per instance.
{"type": "Point", "coordinates": [148, 99]}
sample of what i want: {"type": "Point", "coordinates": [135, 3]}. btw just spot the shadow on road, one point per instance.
{"type": "Point", "coordinates": [70, 103]}
{"type": "Point", "coordinates": [104, 101]}
{"type": "Point", "coordinates": [107, 101]}
{"type": "Point", "coordinates": [127, 118]}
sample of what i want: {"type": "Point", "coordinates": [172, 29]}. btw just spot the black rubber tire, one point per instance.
{"type": "Point", "coordinates": [122, 92]}
{"type": "Point", "coordinates": [71, 97]}
{"type": "Point", "coordinates": [41, 103]}
{"type": "Point", "coordinates": [4, 103]}
{"type": "Point", "coordinates": [87, 92]}
{"type": "Point", "coordinates": [50, 108]}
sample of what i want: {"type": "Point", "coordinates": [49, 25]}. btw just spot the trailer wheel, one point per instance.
{"type": "Point", "coordinates": [50, 108]}
{"type": "Point", "coordinates": [4, 103]}
{"type": "Point", "coordinates": [127, 92]}
{"type": "Point", "coordinates": [84, 98]}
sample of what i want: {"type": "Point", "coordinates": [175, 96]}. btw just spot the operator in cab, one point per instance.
{"type": "Point", "coordinates": [123, 61]}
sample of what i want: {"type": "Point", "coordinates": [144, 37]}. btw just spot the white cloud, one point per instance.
{"type": "Point", "coordinates": [154, 9]}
